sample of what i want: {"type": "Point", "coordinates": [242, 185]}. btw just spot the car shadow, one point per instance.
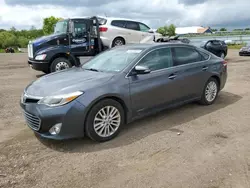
{"type": "Point", "coordinates": [40, 75]}
{"type": "Point", "coordinates": [133, 132]}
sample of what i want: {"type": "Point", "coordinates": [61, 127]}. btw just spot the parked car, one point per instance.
{"type": "Point", "coordinates": [217, 47]}
{"type": "Point", "coordinates": [245, 51]}
{"type": "Point", "coordinates": [9, 50]}
{"type": "Point", "coordinates": [121, 85]}
{"type": "Point", "coordinates": [120, 31]}
{"type": "Point", "coordinates": [173, 39]}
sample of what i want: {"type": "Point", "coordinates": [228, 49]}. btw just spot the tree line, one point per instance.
{"type": "Point", "coordinates": [20, 38]}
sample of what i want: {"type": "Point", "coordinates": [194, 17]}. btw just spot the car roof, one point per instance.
{"type": "Point", "coordinates": [103, 17]}
{"type": "Point", "coordinates": [155, 45]}
{"type": "Point", "coordinates": [116, 18]}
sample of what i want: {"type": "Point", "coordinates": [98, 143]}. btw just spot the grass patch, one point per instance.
{"type": "Point", "coordinates": [2, 51]}
{"type": "Point", "coordinates": [236, 46]}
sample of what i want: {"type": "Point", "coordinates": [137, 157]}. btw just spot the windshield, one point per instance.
{"type": "Point", "coordinates": [61, 27]}
{"type": "Point", "coordinates": [114, 60]}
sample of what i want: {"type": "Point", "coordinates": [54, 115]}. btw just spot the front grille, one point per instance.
{"type": "Point", "coordinates": [33, 121]}
{"type": "Point", "coordinates": [30, 100]}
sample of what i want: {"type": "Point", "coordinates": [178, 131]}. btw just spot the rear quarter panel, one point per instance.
{"type": "Point", "coordinates": [217, 69]}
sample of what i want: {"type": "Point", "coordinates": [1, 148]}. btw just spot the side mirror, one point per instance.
{"type": "Point", "coordinates": [141, 69]}
{"type": "Point", "coordinates": [151, 31]}
{"type": "Point", "coordinates": [71, 27]}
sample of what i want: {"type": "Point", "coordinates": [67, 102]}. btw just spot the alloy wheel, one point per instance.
{"type": "Point", "coordinates": [222, 55]}
{"type": "Point", "coordinates": [61, 66]}
{"type": "Point", "coordinates": [107, 121]}
{"type": "Point", "coordinates": [118, 43]}
{"type": "Point", "coordinates": [211, 91]}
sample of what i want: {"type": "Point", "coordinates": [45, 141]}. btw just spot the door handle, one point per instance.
{"type": "Point", "coordinates": [204, 68]}
{"type": "Point", "coordinates": [172, 76]}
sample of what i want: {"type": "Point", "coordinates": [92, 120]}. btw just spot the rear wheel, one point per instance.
{"type": "Point", "coordinates": [210, 92]}
{"type": "Point", "coordinates": [222, 55]}
{"type": "Point", "coordinates": [118, 42]}
{"type": "Point", "coordinates": [59, 64]}
{"type": "Point", "coordinates": [46, 71]}
{"type": "Point", "coordinates": [104, 120]}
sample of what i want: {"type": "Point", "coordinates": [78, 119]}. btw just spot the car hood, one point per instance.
{"type": "Point", "coordinates": [68, 81]}
{"type": "Point", "coordinates": [245, 49]}
{"type": "Point", "coordinates": [46, 38]}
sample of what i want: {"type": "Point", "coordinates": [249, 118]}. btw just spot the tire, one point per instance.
{"type": "Point", "coordinates": [222, 55]}
{"type": "Point", "coordinates": [46, 72]}
{"type": "Point", "coordinates": [205, 98]}
{"type": "Point", "coordinates": [118, 42]}
{"type": "Point", "coordinates": [94, 116]}
{"type": "Point", "coordinates": [60, 63]}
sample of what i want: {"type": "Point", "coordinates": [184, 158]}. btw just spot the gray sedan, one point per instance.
{"type": "Point", "coordinates": [120, 86]}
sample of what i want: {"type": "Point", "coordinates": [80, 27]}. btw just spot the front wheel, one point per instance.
{"type": "Point", "coordinates": [59, 64]}
{"type": "Point", "coordinates": [210, 92]}
{"type": "Point", "coordinates": [104, 120]}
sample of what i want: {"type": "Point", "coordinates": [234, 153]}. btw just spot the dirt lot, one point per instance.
{"type": "Point", "coordinates": [212, 150]}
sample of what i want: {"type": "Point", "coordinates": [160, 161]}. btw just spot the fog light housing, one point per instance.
{"type": "Point", "coordinates": [55, 129]}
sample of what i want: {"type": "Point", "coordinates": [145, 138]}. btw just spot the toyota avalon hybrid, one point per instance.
{"type": "Point", "coordinates": [119, 86]}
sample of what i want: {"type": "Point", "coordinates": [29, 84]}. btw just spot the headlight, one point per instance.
{"type": "Point", "coordinates": [40, 57]}
{"type": "Point", "coordinates": [59, 99]}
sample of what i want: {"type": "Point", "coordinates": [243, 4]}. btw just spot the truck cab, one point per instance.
{"type": "Point", "coordinates": [71, 38]}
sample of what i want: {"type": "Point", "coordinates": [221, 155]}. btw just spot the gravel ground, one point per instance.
{"type": "Point", "coordinates": [191, 146]}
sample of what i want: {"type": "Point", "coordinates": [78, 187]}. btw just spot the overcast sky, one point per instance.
{"type": "Point", "coordinates": [221, 13]}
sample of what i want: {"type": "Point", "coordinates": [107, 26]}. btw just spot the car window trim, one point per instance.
{"type": "Point", "coordinates": [172, 59]}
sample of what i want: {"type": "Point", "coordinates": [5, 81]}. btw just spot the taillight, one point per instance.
{"type": "Point", "coordinates": [103, 29]}
{"type": "Point", "coordinates": [224, 63]}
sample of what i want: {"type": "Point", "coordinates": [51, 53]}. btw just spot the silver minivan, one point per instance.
{"type": "Point", "coordinates": [120, 31]}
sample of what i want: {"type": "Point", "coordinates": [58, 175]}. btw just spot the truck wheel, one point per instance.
{"type": "Point", "coordinates": [59, 64]}
{"type": "Point", "coordinates": [118, 42]}
{"type": "Point", "coordinates": [46, 71]}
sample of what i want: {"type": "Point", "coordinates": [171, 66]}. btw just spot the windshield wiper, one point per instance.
{"type": "Point", "coordinates": [91, 69]}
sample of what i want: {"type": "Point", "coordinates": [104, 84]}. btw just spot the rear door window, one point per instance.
{"type": "Point", "coordinates": [185, 55]}
{"type": "Point", "coordinates": [204, 55]}
{"type": "Point", "coordinates": [132, 25]}
{"type": "Point", "coordinates": [118, 23]}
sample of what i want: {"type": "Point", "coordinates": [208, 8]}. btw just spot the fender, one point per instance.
{"type": "Point", "coordinates": [53, 51]}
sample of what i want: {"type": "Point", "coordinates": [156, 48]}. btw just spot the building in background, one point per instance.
{"type": "Point", "coordinates": [193, 30]}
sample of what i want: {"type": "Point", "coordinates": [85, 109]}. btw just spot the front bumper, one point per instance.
{"type": "Point", "coordinates": [71, 116]}
{"type": "Point", "coordinates": [244, 53]}
{"type": "Point", "coordinates": [39, 65]}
